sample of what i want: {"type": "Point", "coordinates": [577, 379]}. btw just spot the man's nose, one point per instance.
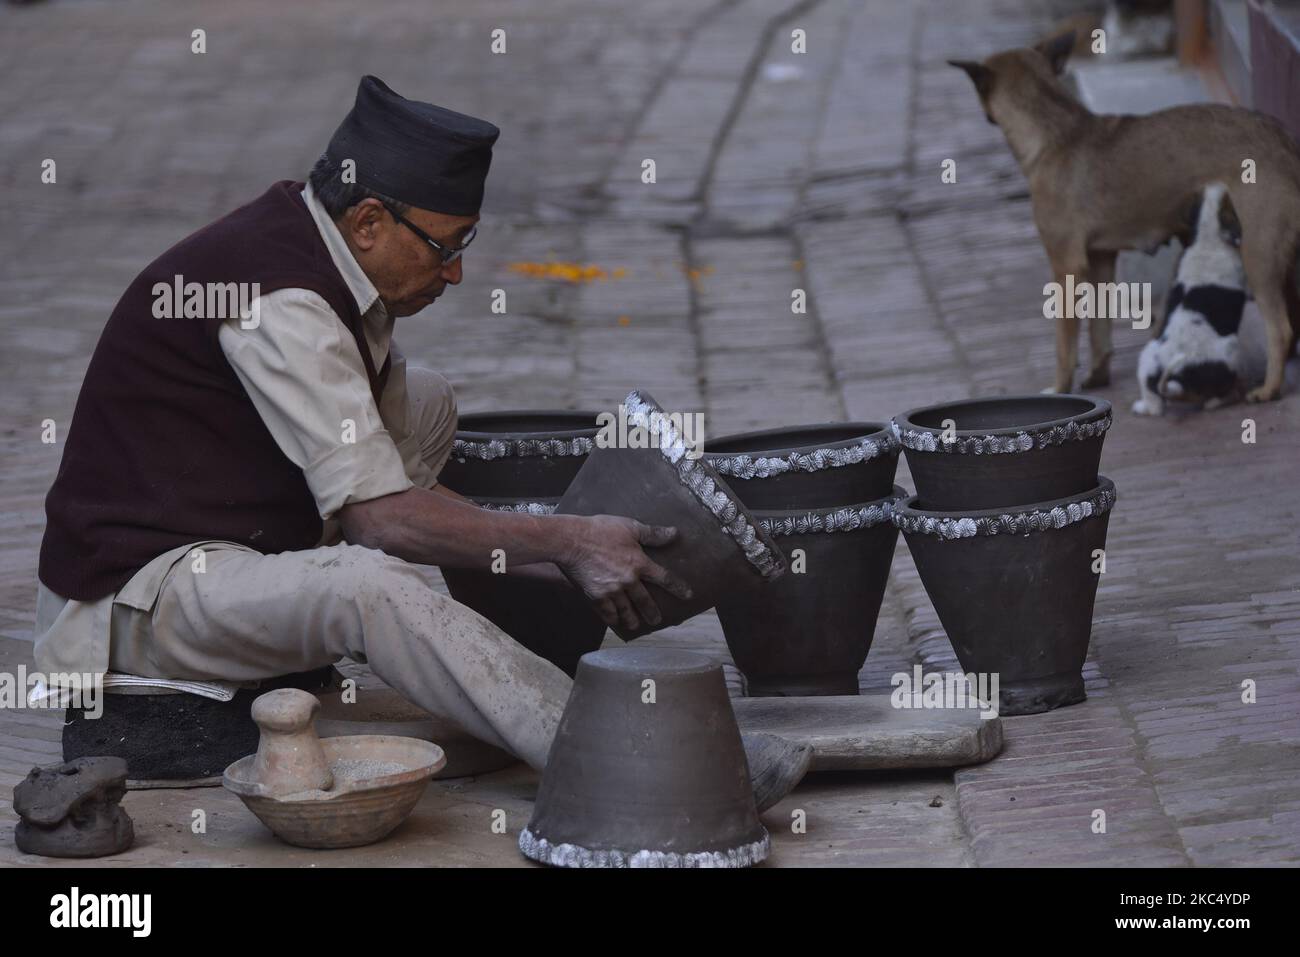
{"type": "Point", "coordinates": [453, 273]}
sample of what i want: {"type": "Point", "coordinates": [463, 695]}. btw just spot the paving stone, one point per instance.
{"type": "Point", "coordinates": [867, 733]}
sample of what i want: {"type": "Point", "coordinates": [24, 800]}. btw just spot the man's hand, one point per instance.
{"type": "Point", "coordinates": [608, 564]}
{"type": "Point", "coordinates": [600, 554]}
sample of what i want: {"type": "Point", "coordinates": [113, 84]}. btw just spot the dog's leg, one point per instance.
{"type": "Point", "coordinates": [1272, 306]}
{"type": "Point", "coordinates": [1292, 287]}
{"type": "Point", "coordinates": [1067, 325]}
{"type": "Point", "coordinates": [1067, 353]}
{"type": "Point", "coordinates": [1269, 269]}
{"type": "Point", "coordinates": [1148, 375]}
{"type": "Point", "coordinates": [1101, 269]}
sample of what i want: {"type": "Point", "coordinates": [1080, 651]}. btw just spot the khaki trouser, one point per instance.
{"type": "Point", "coordinates": [250, 616]}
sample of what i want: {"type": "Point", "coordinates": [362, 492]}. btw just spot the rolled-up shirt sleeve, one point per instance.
{"type": "Point", "coordinates": [303, 371]}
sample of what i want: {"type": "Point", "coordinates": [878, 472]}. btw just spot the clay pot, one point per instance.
{"type": "Point", "coordinates": [553, 621]}
{"type": "Point", "coordinates": [719, 546]}
{"type": "Point", "coordinates": [808, 466]}
{"type": "Point", "coordinates": [1004, 451]}
{"type": "Point", "coordinates": [1014, 589]}
{"type": "Point", "coordinates": [646, 775]}
{"type": "Point", "coordinates": [518, 455]}
{"type": "Point", "coordinates": [809, 632]}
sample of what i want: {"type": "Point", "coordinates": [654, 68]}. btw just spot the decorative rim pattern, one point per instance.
{"type": "Point", "coordinates": [951, 527]}
{"type": "Point", "coordinates": [745, 466]}
{"type": "Point", "coordinates": [519, 448]}
{"type": "Point", "coordinates": [575, 855]}
{"type": "Point", "coordinates": [529, 508]}
{"type": "Point", "coordinates": [926, 440]}
{"type": "Point", "coordinates": [700, 484]}
{"type": "Point", "coordinates": [848, 519]}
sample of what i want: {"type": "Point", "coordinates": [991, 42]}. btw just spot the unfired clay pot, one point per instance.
{"type": "Point", "coordinates": [552, 620]}
{"type": "Point", "coordinates": [1014, 589]}
{"type": "Point", "coordinates": [1004, 452]}
{"type": "Point", "coordinates": [808, 466]}
{"type": "Point", "coordinates": [809, 633]}
{"type": "Point", "coordinates": [647, 769]}
{"type": "Point", "coordinates": [518, 455]}
{"type": "Point", "coordinates": [719, 547]}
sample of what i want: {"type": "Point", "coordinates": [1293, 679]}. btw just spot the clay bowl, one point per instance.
{"type": "Point", "coordinates": [518, 454]}
{"type": "Point", "coordinates": [384, 711]}
{"type": "Point", "coordinates": [809, 632]}
{"type": "Point", "coordinates": [632, 782]}
{"type": "Point", "coordinates": [378, 779]}
{"type": "Point", "coordinates": [719, 546]}
{"type": "Point", "coordinates": [1014, 589]}
{"type": "Point", "coordinates": [1004, 451]}
{"type": "Point", "coordinates": [808, 466]}
{"type": "Point", "coordinates": [552, 620]}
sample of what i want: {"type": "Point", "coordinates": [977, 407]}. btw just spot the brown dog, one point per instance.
{"type": "Point", "coordinates": [1100, 184]}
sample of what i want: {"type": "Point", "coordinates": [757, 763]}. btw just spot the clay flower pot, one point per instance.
{"type": "Point", "coordinates": [1004, 452]}
{"type": "Point", "coordinates": [808, 466]}
{"type": "Point", "coordinates": [809, 633]}
{"type": "Point", "coordinates": [554, 621]}
{"type": "Point", "coordinates": [1014, 589]}
{"type": "Point", "coordinates": [647, 769]}
{"type": "Point", "coordinates": [518, 454]}
{"type": "Point", "coordinates": [719, 546]}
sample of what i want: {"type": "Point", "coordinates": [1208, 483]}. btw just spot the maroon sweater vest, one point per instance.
{"type": "Point", "coordinates": [165, 447]}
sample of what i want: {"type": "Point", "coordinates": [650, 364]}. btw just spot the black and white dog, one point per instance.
{"type": "Point", "coordinates": [1197, 357]}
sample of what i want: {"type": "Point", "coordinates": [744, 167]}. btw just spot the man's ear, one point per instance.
{"type": "Point", "coordinates": [979, 74]}
{"type": "Point", "coordinates": [361, 222]}
{"type": "Point", "coordinates": [1057, 49]}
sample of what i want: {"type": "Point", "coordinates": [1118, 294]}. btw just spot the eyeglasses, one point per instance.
{"type": "Point", "coordinates": [448, 254]}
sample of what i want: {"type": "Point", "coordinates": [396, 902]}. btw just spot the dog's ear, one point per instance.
{"type": "Point", "coordinates": [979, 74]}
{"type": "Point", "coordinates": [1057, 49]}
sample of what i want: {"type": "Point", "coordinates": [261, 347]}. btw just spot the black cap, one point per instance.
{"type": "Point", "coordinates": [417, 153]}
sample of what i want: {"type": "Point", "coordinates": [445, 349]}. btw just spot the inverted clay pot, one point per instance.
{"type": "Point", "coordinates": [1005, 451]}
{"type": "Point", "coordinates": [646, 775]}
{"type": "Point", "coordinates": [552, 620]}
{"type": "Point", "coordinates": [1014, 589]}
{"type": "Point", "coordinates": [809, 632]}
{"type": "Point", "coordinates": [808, 466]}
{"type": "Point", "coordinates": [719, 546]}
{"type": "Point", "coordinates": [518, 455]}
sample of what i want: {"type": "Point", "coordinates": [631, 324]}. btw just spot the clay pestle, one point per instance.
{"type": "Point", "coordinates": [289, 754]}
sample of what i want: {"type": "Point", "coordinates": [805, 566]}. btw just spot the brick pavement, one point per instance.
{"type": "Point", "coordinates": [775, 171]}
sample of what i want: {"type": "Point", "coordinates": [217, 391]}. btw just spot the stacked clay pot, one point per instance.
{"type": "Point", "coordinates": [524, 462]}
{"type": "Point", "coordinates": [825, 494]}
{"type": "Point", "coordinates": [1005, 527]}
